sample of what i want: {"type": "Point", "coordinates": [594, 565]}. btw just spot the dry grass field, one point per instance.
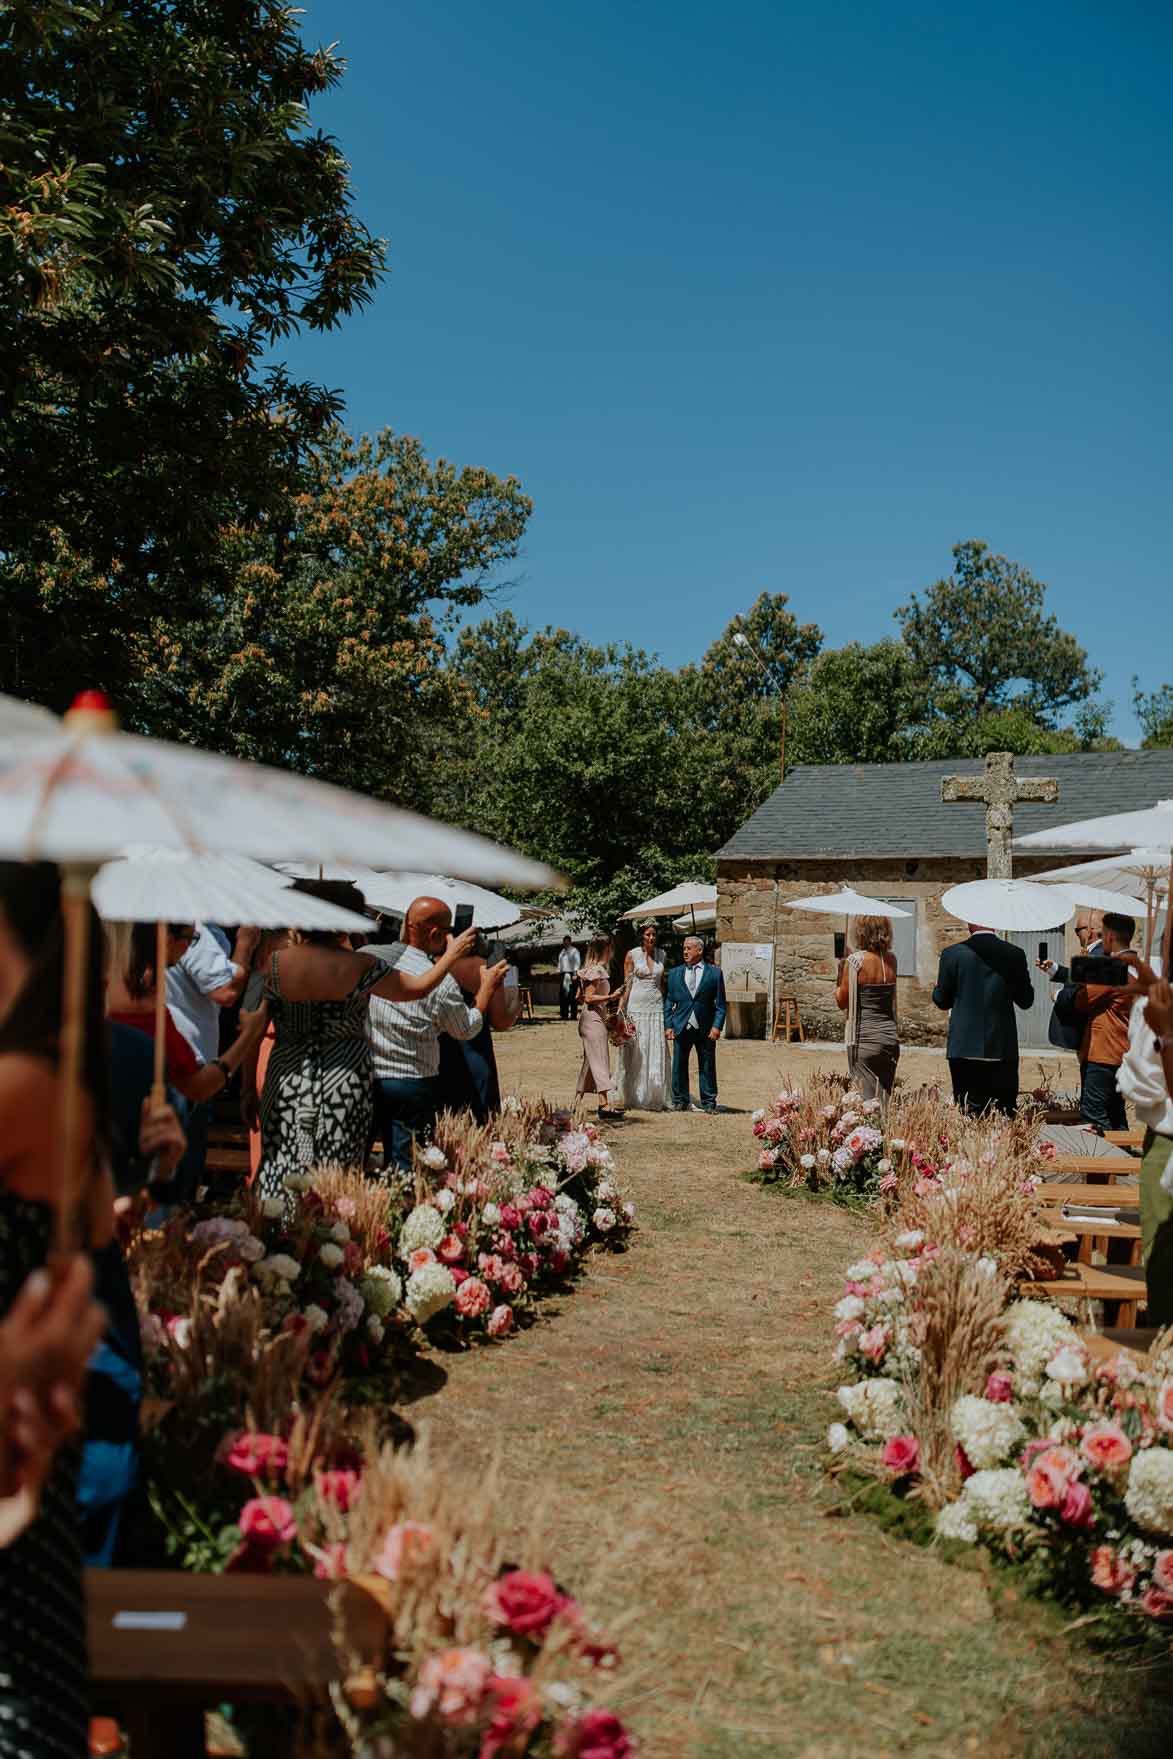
{"type": "Point", "coordinates": [671, 1415]}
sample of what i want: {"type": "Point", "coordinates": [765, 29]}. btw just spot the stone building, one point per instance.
{"type": "Point", "coordinates": [884, 829]}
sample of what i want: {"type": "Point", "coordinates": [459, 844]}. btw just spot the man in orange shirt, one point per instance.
{"type": "Point", "coordinates": [1106, 1009]}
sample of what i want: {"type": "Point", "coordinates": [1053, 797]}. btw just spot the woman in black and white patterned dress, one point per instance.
{"type": "Point", "coordinates": [317, 1104]}
{"type": "Point", "coordinates": [43, 1686]}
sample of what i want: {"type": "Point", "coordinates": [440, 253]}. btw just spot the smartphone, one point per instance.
{"type": "Point", "coordinates": [462, 919]}
{"type": "Point", "coordinates": [841, 945]}
{"type": "Point", "coordinates": [1043, 954]}
{"type": "Point", "coordinates": [1100, 970]}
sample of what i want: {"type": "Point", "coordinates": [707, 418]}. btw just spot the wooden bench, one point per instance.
{"type": "Point", "coordinates": [1090, 1167]}
{"type": "Point", "coordinates": [1125, 1138]}
{"type": "Point", "coordinates": [1087, 1196]}
{"type": "Point", "coordinates": [166, 1646]}
{"type": "Point", "coordinates": [1119, 1287]}
{"type": "Point", "coordinates": [1088, 1231]}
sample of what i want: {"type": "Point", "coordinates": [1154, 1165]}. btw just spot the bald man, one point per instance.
{"type": "Point", "coordinates": [405, 1036]}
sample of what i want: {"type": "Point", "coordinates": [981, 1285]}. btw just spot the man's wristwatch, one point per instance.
{"type": "Point", "coordinates": [219, 1063]}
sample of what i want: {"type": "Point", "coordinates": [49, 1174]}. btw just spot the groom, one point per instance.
{"type": "Point", "coordinates": [694, 1014]}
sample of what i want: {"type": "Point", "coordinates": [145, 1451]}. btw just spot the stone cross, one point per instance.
{"type": "Point", "coordinates": [1000, 789]}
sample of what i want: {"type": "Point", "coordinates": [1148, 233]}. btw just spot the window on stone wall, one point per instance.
{"type": "Point", "coordinates": [904, 936]}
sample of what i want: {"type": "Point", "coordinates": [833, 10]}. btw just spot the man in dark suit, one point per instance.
{"type": "Point", "coordinates": [694, 1016]}
{"type": "Point", "coordinates": [982, 981]}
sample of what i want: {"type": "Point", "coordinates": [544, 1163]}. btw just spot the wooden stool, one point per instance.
{"type": "Point", "coordinates": [788, 1019]}
{"type": "Point", "coordinates": [527, 1004]}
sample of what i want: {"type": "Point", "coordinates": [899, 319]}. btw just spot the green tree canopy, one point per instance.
{"type": "Point", "coordinates": [1154, 711]}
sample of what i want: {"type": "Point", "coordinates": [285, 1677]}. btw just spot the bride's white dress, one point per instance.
{"type": "Point", "coordinates": [643, 1069]}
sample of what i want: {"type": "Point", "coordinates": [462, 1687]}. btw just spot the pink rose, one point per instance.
{"type": "Point", "coordinates": [451, 1249]}
{"type": "Point", "coordinates": [527, 1264]}
{"type": "Point", "coordinates": [490, 1266]}
{"type": "Point", "coordinates": [510, 1217]}
{"type": "Point", "coordinates": [511, 1279]}
{"type": "Point", "coordinates": [1046, 1487]}
{"type": "Point", "coordinates": [537, 1222]}
{"type": "Point", "coordinates": [516, 1713]}
{"type": "Point", "coordinates": [500, 1322]}
{"type": "Point", "coordinates": [1164, 1404]}
{"type": "Point", "coordinates": [258, 1455]}
{"type": "Point", "coordinates": [457, 1274]}
{"type": "Point", "coordinates": [1157, 1604]}
{"type": "Point", "coordinates": [339, 1488]}
{"type": "Point", "coordinates": [901, 1455]}
{"type": "Point", "coordinates": [454, 1684]}
{"type": "Point", "coordinates": [597, 1734]}
{"type": "Point", "coordinates": [1110, 1572]}
{"type": "Point", "coordinates": [1106, 1447]}
{"type": "Point", "coordinates": [526, 1602]}
{"type": "Point", "coordinates": [403, 1545]}
{"type": "Point", "coordinates": [1163, 1571]}
{"type": "Point", "coordinates": [421, 1256]}
{"type": "Point", "coordinates": [267, 1522]}
{"type": "Point", "coordinates": [1000, 1388]}
{"type": "Point", "coordinates": [472, 1298]}
{"type": "Point", "coordinates": [559, 1260]}
{"type": "Point", "coordinates": [1076, 1508]}
{"type": "Point", "coordinates": [542, 1197]}
{"type": "Point", "coordinates": [873, 1343]}
{"type": "Point", "coordinates": [504, 1248]}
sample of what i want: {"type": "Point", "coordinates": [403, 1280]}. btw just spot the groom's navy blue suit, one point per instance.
{"type": "Point", "coordinates": [707, 1007]}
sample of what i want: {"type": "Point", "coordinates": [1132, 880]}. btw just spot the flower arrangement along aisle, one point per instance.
{"type": "Point", "coordinates": [827, 1137]}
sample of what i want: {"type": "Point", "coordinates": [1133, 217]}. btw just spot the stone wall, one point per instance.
{"type": "Point", "coordinates": [749, 908]}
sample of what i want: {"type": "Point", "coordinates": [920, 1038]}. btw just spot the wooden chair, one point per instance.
{"type": "Point", "coordinates": [166, 1646]}
{"type": "Point", "coordinates": [787, 1020]}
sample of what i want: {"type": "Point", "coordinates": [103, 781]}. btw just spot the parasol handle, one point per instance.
{"type": "Point", "coordinates": [1149, 905]}
{"type": "Point", "coordinates": [159, 1089]}
{"type": "Point", "coordinates": [75, 909]}
{"type": "Point", "coordinates": [1168, 921]}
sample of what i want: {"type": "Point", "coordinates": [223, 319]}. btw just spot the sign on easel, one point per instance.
{"type": "Point", "coordinates": [748, 967]}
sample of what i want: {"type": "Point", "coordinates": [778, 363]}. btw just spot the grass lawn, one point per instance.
{"type": "Point", "coordinates": [673, 1413]}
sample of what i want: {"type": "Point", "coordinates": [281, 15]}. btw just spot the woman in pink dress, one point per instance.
{"type": "Point", "coordinates": [594, 983]}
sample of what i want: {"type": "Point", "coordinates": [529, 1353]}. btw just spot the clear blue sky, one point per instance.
{"type": "Point", "coordinates": [778, 296]}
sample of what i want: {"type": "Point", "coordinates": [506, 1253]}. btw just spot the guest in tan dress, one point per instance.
{"type": "Point", "coordinates": [594, 984]}
{"type": "Point", "coordinates": [867, 994]}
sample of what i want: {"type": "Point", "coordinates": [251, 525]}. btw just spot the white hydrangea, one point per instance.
{"type": "Point", "coordinates": [987, 1265]}
{"type": "Point", "coordinates": [1034, 1331]}
{"type": "Point", "coordinates": [756, 1117]}
{"type": "Point", "coordinates": [807, 1161]}
{"type": "Point", "coordinates": [340, 1232]}
{"type": "Point", "coordinates": [299, 1181]}
{"type": "Point", "coordinates": [491, 1215]}
{"type": "Point", "coordinates": [862, 1272]}
{"type": "Point", "coordinates": [423, 1227]}
{"type": "Point", "coordinates": [331, 1255]}
{"type": "Point", "coordinates": [910, 1240]}
{"type": "Point", "coordinates": [429, 1290]}
{"type": "Point", "coordinates": [1068, 1366]}
{"type": "Point", "coordinates": [956, 1522]}
{"type": "Point", "coordinates": [316, 1318]}
{"type": "Point", "coordinates": [279, 1266]}
{"type": "Point", "coordinates": [444, 1199]}
{"type": "Point", "coordinates": [988, 1432]}
{"type": "Point", "coordinates": [1149, 1497]}
{"type": "Point", "coordinates": [874, 1406]}
{"type": "Point", "coordinates": [434, 1158]}
{"type": "Point", "coordinates": [605, 1191]}
{"type": "Point", "coordinates": [838, 1437]}
{"type": "Point", "coordinates": [997, 1499]}
{"type": "Point", "coordinates": [381, 1289]}
{"type": "Point", "coordinates": [273, 1208]}
{"type": "Point", "coordinates": [375, 1328]}
{"type": "Point", "coordinates": [250, 1248]}
{"type": "Point", "coordinates": [851, 1307]}
{"type": "Point", "coordinates": [824, 1157]}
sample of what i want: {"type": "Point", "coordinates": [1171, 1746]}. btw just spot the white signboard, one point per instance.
{"type": "Point", "coordinates": [748, 967]}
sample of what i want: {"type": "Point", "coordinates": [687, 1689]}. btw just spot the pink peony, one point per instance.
{"type": "Point", "coordinates": [1076, 1508]}
{"type": "Point", "coordinates": [1045, 1487]}
{"type": "Point", "coordinates": [537, 1222]}
{"type": "Point", "coordinates": [597, 1734]}
{"type": "Point", "coordinates": [473, 1298]}
{"type": "Point", "coordinates": [1106, 1447]}
{"type": "Point", "coordinates": [526, 1602]}
{"type": "Point", "coordinates": [873, 1343]}
{"type": "Point", "coordinates": [421, 1256]}
{"type": "Point", "coordinates": [1000, 1388]}
{"type": "Point", "coordinates": [559, 1260]}
{"type": "Point", "coordinates": [402, 1545]}
{"type": "Point", "coordinates": [491, 1266]}
{"type": "Point", "coordinates": [258, 1455]}
{"type": "Point", "coordinates": [500, 1322]}
{"type": "Point", "coordinates": [1157, 1604]}
{"type": "Point", "coordinates": [267, 1522]}
{"type": "Point", "coordinates": [901, 1455]}
{"type": "Point", "coordinates": [457, 1274]}
{"type": "Point", "coordinates": [454, 1684]}
{"type": "Point", "coordinates": [527, 1264]}
{"type": "Point", "coordinates": [542, 1197]}
{"type": "Point", "coordinates": [1163, 1571]}
{"type": "Point", "coordinates": [510, 1217]}
{"type": "Point", "coordinates": [451, 1249]}
{"type": "Point", "coordinates": [511, 1280]}
{"type": "Point", "coordinates": [1110, 1572]}
{"type": "Point", "coordinates": [339, 1488]}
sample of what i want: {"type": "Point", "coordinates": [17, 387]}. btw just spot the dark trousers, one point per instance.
{"type": "Point", "coordinates": [405, 1111]}
{"type": "Point", "coordinates": [568, 999]}
{"type": "Point", "coordinates": [981, 1087]}
{"type": "Point", "coordinates": [1100, 1105]}
{"type": "Point", "coordinates": [706, 1067]}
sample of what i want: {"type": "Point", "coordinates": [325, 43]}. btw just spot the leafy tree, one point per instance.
{"type": "Point", "coordinates": [983, 642]}
{"type": "Point", "coordinates": [169, 217]}
{"type": "Point", "coordinates": [325, 653]}
{"type": "Point", "coordinates": [1154, 711]}
{"type": "Point", "coordinates": [854, 704]}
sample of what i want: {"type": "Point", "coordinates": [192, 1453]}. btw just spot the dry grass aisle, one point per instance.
{"type": "Point", "coordinates": [678, 1406]}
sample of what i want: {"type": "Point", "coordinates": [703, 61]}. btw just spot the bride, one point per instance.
{"type": "Point", "coordinates": [644, 1063]}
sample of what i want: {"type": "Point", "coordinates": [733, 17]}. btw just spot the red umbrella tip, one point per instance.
{"type": "Point", "coordinates": [93, 711]}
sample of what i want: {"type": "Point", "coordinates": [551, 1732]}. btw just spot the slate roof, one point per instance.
{"type": "Point", "coordinates": [895, 809]}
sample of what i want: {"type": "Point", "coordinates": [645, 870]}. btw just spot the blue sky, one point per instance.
{"type": "Point", "coordinates": [777, 296]}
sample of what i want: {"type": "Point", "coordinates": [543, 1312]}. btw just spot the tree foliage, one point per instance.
{"type": "Point", "coordinates": [169, 216]}
{"type": "Point", "coordinates": [1154, 711]}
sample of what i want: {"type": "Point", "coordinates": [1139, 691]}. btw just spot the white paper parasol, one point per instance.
{"type": "Point", "coordinates": [1011, 905]}
{"type": "Point", "coordinates": [1130, 873]}
{"type": "Point", "coordinates": [688, 898]}
{"type": "Point", "coordinates": [845, 903]}
{"type": "Point", "coordinates": [173, 885]}
{"type": "Point", "coordinates": [18, 717]}
{"type": "Point", "coordinates": [703, 918]}
{"type": "Point", "coordinates": [397, 891]}
{"type": "Point", "coordinates": [1151, 829]}
{"type": "Point", "coordinates": [1097, 898]}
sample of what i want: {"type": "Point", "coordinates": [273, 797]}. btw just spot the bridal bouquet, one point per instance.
{"type": "Point", "coordinates": [620, 1029]}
